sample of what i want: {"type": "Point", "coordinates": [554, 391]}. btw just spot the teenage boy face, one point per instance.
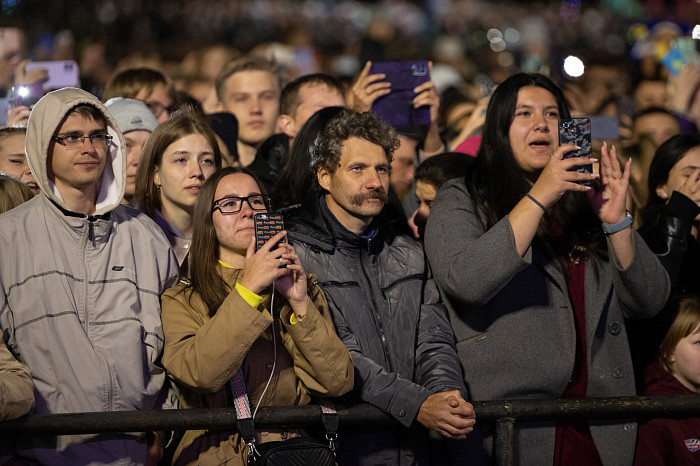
{"type": "Point", "coordinates": [77, 168]}
{"type": "Point", "coordinates": [253, 97]}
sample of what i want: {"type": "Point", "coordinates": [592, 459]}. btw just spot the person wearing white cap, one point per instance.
{"type": "Point", "coordinates": [136, 122]}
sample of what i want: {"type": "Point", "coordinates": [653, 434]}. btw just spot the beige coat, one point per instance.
{"type": "Point", "coordinates": [203, 353]}
{"type": "Point", "coordinates": [16, 388]}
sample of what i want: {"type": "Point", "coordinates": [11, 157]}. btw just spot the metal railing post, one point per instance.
{"type": "Point", "coordinates": [503, 441]}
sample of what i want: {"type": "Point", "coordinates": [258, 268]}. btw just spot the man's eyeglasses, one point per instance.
{"type": "Point", "coordinates": [76, 141]}
{"type": "Point", "coordinates": [233, 204]}
{"type": "Point", "coordinates": [157, 108]}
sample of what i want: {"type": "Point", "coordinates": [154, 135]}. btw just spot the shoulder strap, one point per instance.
{"type": "Point", "coordinates": [244, 419]}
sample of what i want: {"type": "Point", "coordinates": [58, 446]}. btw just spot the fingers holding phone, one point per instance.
{"type": "Point", "coordinates": [264, 264]}
{"type": "Point", "coordinates": [367, 89]}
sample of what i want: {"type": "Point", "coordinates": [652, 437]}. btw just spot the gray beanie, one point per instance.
{"type": "Point", "coordinates": [131, 114]}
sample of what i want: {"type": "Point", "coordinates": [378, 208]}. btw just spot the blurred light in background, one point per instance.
{"type": "Point", "coordinates": [696, 31]}
{"type": "Point", "coordinates": [573, 66]}
{"type": "Point", "coordinates": [8, 6]}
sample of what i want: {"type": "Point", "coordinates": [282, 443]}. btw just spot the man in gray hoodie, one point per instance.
{"type": "Point", "coordinates": [80, 281]}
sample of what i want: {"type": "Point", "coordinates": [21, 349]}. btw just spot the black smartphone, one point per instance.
{"type": "Point", "coordinates": [577, 131]}
{"type": "Point", "coordinates": [396, 108]}
{"type": "Point", "coordinates": [267, 226]}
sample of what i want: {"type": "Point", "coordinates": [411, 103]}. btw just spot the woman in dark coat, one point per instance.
{"type": "Point", "coordinates": [540, 280]}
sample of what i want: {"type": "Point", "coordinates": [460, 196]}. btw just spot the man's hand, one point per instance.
{"type": "Point", "coordinates": [448, 414]}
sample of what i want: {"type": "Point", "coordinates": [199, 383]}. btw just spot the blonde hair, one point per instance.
{"type": "Point", "coordinates": [12, 193]}
{"type": "Point", "coordinates": [686, 323]}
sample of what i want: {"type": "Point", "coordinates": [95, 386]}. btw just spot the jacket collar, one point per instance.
{"type": "Point", "coordinates": [319, 227]}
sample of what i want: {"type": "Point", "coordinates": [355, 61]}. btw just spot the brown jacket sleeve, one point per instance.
{"type": "Point", "coordinates": [16, 387]}
{"type": "Point", "coordinates": [201, 352]}
{"type": "Point", "coordinates": [321, 360]}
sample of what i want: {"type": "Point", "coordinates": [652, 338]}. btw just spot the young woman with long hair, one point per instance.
{"type": "Point", "coordinates": [178, 157]}
{"type": "Point", "coordinates": [540, 272]}
{"type": "Point", "coordinates": [256, 311]}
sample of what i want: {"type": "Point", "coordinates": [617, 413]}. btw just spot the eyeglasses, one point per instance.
{"type": "Point", "coordinates": [76, 141]}
{"type": "Point", "coordinates": [157, 108]}
{"type": "Point", "coordinates": [233, 204]}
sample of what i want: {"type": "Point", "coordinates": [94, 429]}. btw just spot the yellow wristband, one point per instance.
{"type": "Point", "coordinates": [293, 318]}
{"type": "Point", "coordinates": [251, 298]}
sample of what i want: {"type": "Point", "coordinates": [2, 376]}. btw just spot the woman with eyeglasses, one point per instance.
{"type": "Point", "coordinates": [176, 160]}
{"type": "Point", "coordinates": [256, 311]}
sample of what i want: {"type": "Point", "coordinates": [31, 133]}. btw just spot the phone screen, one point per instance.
{"type": "Point", "coordinates": [577, 131]}
{"type": "Point", "coordinates": [267, 226]}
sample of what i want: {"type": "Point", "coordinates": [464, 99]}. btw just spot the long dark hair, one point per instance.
{"type": "Point", "coordinates": [667, 155]}
{"type": "Point", "coordinates": [181, 124]}
{"type": "Point", "coordinates": [496, 182]}
{"type": "Point", "coordinates": [296, 178]}
{"type": "Point", "coordinates": [204, 277]}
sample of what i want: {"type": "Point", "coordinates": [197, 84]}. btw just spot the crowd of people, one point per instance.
{"type": "Point", "coordinates": [421, 267]}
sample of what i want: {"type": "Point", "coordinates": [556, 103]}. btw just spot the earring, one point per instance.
{"type": "Point", "coordinates": [158, 187]}
{"type": "Point", "coordinates": [664, 195]}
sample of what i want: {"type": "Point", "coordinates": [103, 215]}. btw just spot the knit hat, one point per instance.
{"type": "Point", "coordinates": [131, 115]}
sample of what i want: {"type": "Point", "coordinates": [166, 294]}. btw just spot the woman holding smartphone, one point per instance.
{"type": "Point", "coordinates": [244, 309]}
{"type": "Point", "coordinates": [540, 281]}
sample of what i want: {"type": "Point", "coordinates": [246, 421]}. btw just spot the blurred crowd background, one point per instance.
{"type": "Point", "coordinates": [477, 41]}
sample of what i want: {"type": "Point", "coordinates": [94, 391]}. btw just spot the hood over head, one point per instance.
{"type": "Point", "coordinates": [48, 113]}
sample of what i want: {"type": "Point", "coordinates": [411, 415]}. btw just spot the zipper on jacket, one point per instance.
{"type": "Point", "coordinates": [91, 230]}
{"type": "Point", "coordinates": [84, 310]}
{"type": "Point", "coordinates": [377, 316]}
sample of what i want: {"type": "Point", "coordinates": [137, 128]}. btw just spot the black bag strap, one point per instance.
{"type": "Point", "coordinates": [331, 420]}
{"type": "Point", "coordinates": [246, 424]}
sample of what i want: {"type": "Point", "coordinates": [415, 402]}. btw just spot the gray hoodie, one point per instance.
{"type": "Point", "coordinates": [79, 299]}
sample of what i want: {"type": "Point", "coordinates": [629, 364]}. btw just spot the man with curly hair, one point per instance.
{"type": "Point", "coordinates": [381, 295]}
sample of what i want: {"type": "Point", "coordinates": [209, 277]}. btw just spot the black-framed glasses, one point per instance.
{"type": "Point", "coordinates": [76, 141]}
{"type": "Point", "coordinates": [234, 204]}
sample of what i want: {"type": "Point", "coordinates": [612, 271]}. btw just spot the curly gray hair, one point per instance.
{"type": "Point", "coordinates": [326, 150]}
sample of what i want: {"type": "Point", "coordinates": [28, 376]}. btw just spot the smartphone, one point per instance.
{"type": "Point", "coordinates": [267, 226]}
{"type": "Point", "coordinates": [62, 73]}
{"type": "Point", "coordinates": [396, 108]}
{"type": "Point", "coordinates": [26, 95]}
{"type": "Point", "coordinates": [577, 131]}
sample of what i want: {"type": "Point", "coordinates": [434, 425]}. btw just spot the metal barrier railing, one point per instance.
{"type": "Point", "coordinates": [503, 414]}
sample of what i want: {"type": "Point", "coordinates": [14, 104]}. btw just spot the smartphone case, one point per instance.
{"type": "Point", "coordinates": [577, 131]}
{"type": "Point", "coordinates": [62, 73]}
{"type": "Point", "coordinates": [267, 226]}
{"type": "Point", "coordinates": [396, 108]}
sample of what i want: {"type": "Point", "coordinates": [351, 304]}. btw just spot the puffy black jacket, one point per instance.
{"type": "Point", "coordinates": [386, 310]}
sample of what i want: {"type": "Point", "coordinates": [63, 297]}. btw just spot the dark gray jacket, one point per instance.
{"type": "Point", "coordinates": [514, 323]}
{"type": "Point", "coordinates": [385, 308]}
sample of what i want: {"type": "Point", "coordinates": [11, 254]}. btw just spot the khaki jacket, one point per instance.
{"type": "Point", "coordinates": [204, 352]}
{"type": "Point", "coordinates": [16, 388]}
